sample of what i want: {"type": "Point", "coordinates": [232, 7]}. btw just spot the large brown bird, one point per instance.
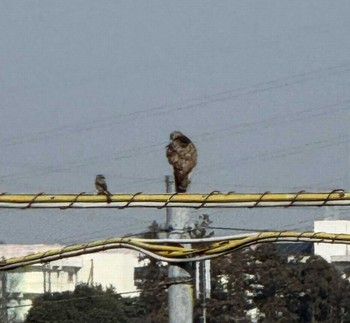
{"type": "Point", "coordinates": [101, 187]}
{"type": "Point", "coordinates": [182, 155]}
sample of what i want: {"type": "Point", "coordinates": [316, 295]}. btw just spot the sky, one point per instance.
{"type": "Point", "coordinates": [95, 87]}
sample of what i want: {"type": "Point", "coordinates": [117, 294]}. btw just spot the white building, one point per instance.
{"type": "Point", "coordinates": [112, 267]}
{"type": "Point", "coordinates": [339, 254]}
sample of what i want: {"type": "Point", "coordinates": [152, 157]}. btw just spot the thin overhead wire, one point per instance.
{"type": "Point", "coordinates": [279, 153]}
{"type": "Point", "coordinates": [238, 229]}
{"type": "Point", "coordinates": [306, 114]}
{"type": "Point", "coordinates": [191, 103]}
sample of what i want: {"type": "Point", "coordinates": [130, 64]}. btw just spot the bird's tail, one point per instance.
{"type": "Point", "coordinates": [108, 196]}
{"type": "Point", "coordinates": [181, 183]}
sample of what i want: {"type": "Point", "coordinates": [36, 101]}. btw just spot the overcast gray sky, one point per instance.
{"type": "Point", "coordinates": [88, 87]}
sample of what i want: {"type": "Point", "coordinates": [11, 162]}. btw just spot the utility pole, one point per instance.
{"type": "Point", "coordinates": [180, 291]}
{"type": "Point", "coordinates": [203, 275]}
{"type": "Point", "coordinates": [49, 275]}
{"type": "Point", "coordinates": [169, 188]}
{"type": "Point", "coordinates": [4, 314]}
{"type": "Point", "coordinates": [90, 281]}
{"type": "Point", "coordinates": [44, 276]}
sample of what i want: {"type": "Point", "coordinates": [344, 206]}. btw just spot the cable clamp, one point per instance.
{"type": "Point", "coordinates": [206, 199]}
{"type": "Point", "coordinates": [33, 200]}
{"type": "Point", "coordinates": [130, 201]}
{"type": "Point", "coordinates": [338, 190]}
{"type": "Point", "coordinates": [167, 201]}
{"type": "Point", "coordinates": [259, 200]}
{"type": "Point", "coordinates": [73, 201]}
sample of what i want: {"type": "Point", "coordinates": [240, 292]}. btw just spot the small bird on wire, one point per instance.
{"type": "Point", "coordinates": [182, 155]}
{"type": "Point", "coordinates": [101, 186]}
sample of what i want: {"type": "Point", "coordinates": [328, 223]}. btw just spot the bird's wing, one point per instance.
{"type": "Point", "coordinates": [183, 141]}
{"type": "Point", "coordinates": [172, 155]}
{"type": "Point", "coordinates": [187, 158]}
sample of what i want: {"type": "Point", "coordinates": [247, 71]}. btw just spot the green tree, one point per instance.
{"type": "Point", "coordinates": [150, 281]}
{"type": "Point", "coordinates": [84, 305]}
{"type": "Point", "coordinates": [153, 292]}
{"type": "Point", "coordinates": [230, 282]}
{"type": "Point", "coordinates": [263, 280]}
{"type": "Point", "coordinates": [299, 289]}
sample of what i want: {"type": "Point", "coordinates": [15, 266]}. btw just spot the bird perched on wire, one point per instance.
{"type": "Point", "coordinates": [101, 186]}
{"type": "Point", "coordinates": [182, 155]}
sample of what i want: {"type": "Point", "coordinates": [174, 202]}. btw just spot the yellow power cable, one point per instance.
{"type": "Point", "coordinates": [167, 251]}
{"type": "Point", "coordinates": [214, 199]}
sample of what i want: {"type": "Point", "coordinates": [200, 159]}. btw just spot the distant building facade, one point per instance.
{"type": "Point", "coordinates": [337, 254]}
{"type": "Point", "coordinates": [20, 286]}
